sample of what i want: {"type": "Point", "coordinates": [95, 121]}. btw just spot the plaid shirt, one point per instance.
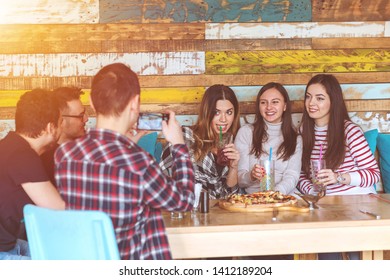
{"type": "Point", "coordinates": [206, 171]}
{"type": "Point", "coordinates": [106, 171]}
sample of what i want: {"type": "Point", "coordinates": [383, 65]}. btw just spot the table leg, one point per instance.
{"type": "Point", "coordinates": [372, 255]}
{"type": "Point", "coordinates": [301, 257]}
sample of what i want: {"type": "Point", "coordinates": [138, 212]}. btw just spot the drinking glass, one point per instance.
{"type": "Point", "coordinates": [318, 190]}
{"type": "Point", "coordinates": [227, 138]}
{"type": "Point", "coordinates": [197, 189]}
{"type": "Point", "coordinates": [176, 215]}
{"type": "Point", "coordinates": [267, 183]}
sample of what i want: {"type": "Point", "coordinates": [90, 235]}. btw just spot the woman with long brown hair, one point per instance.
{"type": "Point", "coordinates": [219, 114]}
{"type": "Point", "coordinates": [272, 131]}
{"type": "Point", "coordinates": [328, 132]}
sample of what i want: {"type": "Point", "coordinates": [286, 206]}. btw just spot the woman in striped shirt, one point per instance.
{"type": "Point", "coordinates": [350, 165]}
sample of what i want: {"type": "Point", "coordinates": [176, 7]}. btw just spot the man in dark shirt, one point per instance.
{"type": "Point", "coordinates": [105, 170]}
{"type": "Point", "coordinates": [23, 179]}
{"type": "Point", "coordinates": [73, 124]}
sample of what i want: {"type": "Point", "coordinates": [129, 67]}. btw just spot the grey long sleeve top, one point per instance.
{"type": "Point", "coordinates": [286, 172]}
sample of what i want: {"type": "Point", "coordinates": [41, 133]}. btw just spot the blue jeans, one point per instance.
{"type": "Point", "coordinates": [338, 256]}
{"type": "Point", "coordinates": [21, 251]}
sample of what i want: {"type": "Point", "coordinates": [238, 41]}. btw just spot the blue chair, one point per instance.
{"type": "Point", "coordinates": [69, 234]}
{"type": "Point", "coordinates": [150, 144]}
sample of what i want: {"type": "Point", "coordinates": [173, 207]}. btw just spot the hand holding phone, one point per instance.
{"type": "Point", "coordinates": [172, 130]}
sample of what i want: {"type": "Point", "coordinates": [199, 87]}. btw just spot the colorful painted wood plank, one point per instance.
{"type": "Point", "coordinates": [62, 65]}
{"type": "Point", "coordinates": [49, 11]}
{"type": "Point", "coordinates": [180, 95]}
{"type": "Point", "coordinates": [99, 32]}
{"type": "Point", "coordinates": [130, 46]}
{"type": "Point", "coordinates": [350, 91]}
{"type": "Point", "coordinates": [299, 61]}
{"type": "Point", "coordinates": [342, 10]}
{"type": "Point", "coordinates": [294, 30]}
{"type": "Point", "coordinates": [157, 11]}
{"type": "Point", "coordinates": [350, 43]}
{"type": "Point", "coordinates": [172, 81]}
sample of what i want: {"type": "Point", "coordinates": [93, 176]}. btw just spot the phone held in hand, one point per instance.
{"type": "Point", "coordinates": [151, 121]}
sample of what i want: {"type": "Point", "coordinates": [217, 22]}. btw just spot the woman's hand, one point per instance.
{"type": "Point", "coordinates": [232, 154]}
{"type": "Point", "coordinates": [327, 177]}
{"type": "Point", "coordinates": [258, 172]}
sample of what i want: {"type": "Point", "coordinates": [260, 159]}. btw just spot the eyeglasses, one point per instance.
{"type": "Point", "coordinates": [81, 116]}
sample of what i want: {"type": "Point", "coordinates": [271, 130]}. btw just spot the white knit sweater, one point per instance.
{"type": "Point", "coordinates": [286, 172]}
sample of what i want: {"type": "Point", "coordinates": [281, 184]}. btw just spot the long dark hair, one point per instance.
{"type": "Point", "coordinates": [288, 146]}
{"type": "Point", "coordinates": [202, 128]}
{"type": "Point", "coordinates": [335, 152]}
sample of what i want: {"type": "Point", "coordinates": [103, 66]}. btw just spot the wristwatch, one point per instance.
{"type": "Point", "coordinates": [340, 178]}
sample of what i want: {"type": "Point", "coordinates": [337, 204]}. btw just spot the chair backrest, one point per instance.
{"type": "Point", "coordinates": [69, 234]}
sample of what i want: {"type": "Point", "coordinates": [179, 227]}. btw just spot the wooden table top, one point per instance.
{"type": "Point", "coordinates": [338, 217]}
{"type": "Point", "coordinates": [332, 209]}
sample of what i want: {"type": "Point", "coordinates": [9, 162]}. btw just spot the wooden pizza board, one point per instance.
{"type": "Point", "coordinates": [290, 206]}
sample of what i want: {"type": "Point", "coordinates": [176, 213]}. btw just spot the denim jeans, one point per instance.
{"type": "Point", "coordinates": [21, 251]}
{"type": "Point", "coordinates": [338, 256]}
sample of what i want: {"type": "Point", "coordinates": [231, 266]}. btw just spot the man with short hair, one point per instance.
{"type": "Point", "coordinates": [105, 170]}
{"type": "Point", "coordinates": [73, 125]}
{"type": "Point", "coordinates": [23, 179]}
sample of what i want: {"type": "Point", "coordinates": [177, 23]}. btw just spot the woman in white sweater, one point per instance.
{"type": "Point", "coordinates": [272, 128]}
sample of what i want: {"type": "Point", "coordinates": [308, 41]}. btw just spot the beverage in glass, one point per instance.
{"type": "Point", "coordinates": [267, 182]}
{"type": "Point", "coordinates": [225, 139]}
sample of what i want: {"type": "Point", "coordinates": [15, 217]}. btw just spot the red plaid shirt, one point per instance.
{"type": "Point", "coordinates": [106, 171]}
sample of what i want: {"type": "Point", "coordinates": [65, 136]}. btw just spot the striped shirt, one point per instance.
{"type": "Point", "coordinates": [106, 171]}
{"type": "Point", "coordinates": [359, 163]}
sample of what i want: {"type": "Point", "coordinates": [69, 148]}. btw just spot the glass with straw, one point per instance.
{"type": "Point", "coordinates": [267, 182]}
{"type": "Point", "coordinates": [318, 189]}
{"type": "Point", "coordinates": [223, 140]}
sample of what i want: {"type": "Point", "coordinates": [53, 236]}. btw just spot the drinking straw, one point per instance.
{"type": "Point", "coordinates": [270, 154]}
{"type": "Point", "coordinates": [220, 133]}
{"type": "Point", "coordinates": [319, 162]}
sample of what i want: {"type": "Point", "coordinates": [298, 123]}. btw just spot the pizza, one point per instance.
{"type": "Point", "coordinates": [256, 202]}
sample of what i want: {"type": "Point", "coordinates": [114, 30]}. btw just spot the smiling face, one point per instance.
{"type": "Point", "coordinates": [224, 116]}
{"type": "Point", "coordinates": [317, 103]}
{"type": "Point", "coordinates": [272, 105]}
{"type": "Point", "coordinates": [75, 118]}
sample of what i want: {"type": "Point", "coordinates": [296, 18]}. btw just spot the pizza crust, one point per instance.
{"type": "Point", "coordinates": [258, 202]}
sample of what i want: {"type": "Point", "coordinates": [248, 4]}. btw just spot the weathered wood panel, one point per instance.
{"type": "Point", "coordinates": [28, 83]}
{"type": "Point", "coordinates": [157, 11]}
{"type": "Point", "coordinates": [49, 11]}
{"type": "Point", "coordinates": [130, 46]}
{"type": "Point", "coordinates": [350, 43]}
{"type": "Point", "coordinates": [63, 65]}
{"type": "Point", "coordinates": [99, 32]}
{"type": "Point", "coordinates": [299, 61]}
{"type": "Point", "coordinates": [186, 95]}
{"type": "Point", "coordinates": [387, 29]}
{"type": "Point", "coordinates": [347, 10]}
{"type": "Point", "coordinates": [294, 30]}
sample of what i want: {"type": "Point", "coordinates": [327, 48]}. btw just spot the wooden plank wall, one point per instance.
{"type": "Point", "coordinates": [179, 48]}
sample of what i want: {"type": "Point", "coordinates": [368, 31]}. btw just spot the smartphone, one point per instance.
{"type": "Point", "coordinates": [151, 121]}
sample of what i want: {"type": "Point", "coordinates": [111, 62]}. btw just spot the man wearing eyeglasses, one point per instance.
{"type": "Point", "coordinates": [73, 125]}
